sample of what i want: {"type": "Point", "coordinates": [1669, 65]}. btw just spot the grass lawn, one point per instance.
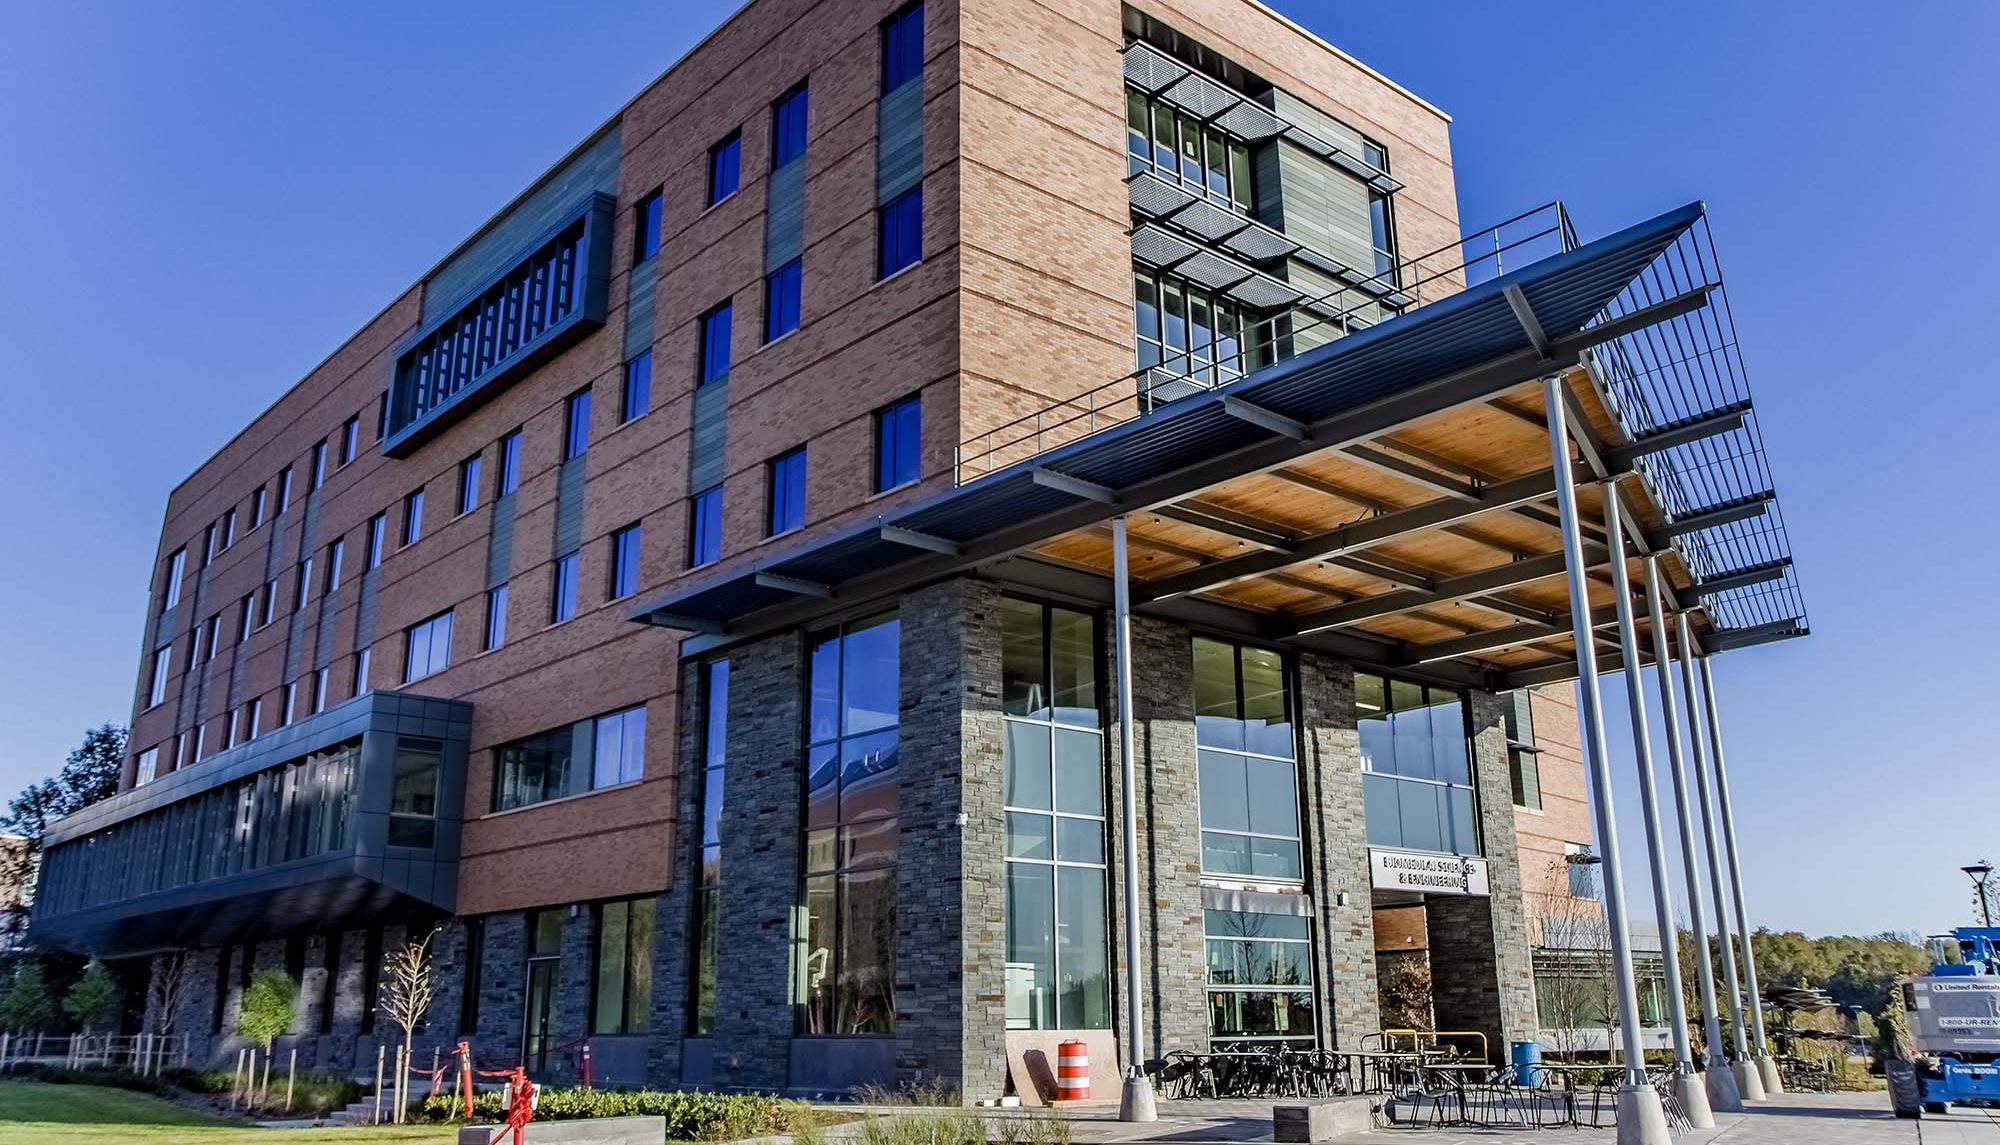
{"type": "Point", "coordinates": [35, 1113]}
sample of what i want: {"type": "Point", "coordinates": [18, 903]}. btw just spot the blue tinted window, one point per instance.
{"type": "Point", "coordinates": [781, 301]}
{"type": "Point", "coordinates": [714, 352]}
{"type": "Point", "coordinates": [705, 528]}
{"type": "Point", "coordinates": [646, 227]}
{"type": "Point", "coordinates": [788, 492]}
{"type": "Point", "coordinates": [897, 431]}
{"type": "Point", "coordinates": [563, 602]}
{"type": "Point", "coordinates": [788, 127]}
{"type": "Point", "coordinates": [510, 464]}
{"type": "Point", "coordinates": [902, 48]}
{"type": "Point", "coordinates": [638, 387]}
{"type": "Point", "coordinates": [901, 234]}
{"type": "Point", "coordinates": [724, 162]}
{"type": "Point", "coordinates": [625, 561]}
{"type": "Point", "coordinates": [576, 425]}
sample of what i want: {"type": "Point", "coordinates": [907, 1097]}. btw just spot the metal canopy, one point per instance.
{"type": "Point", "coordinates": [1408, 423]}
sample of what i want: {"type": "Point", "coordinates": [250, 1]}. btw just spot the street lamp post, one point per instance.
{"type": "Point", "coordinates": [1981, 873]}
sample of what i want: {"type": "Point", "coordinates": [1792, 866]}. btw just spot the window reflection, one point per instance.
{"type": "Point", "coordinates": [1246, 772]}
{"type": "Point", "coordinates": [1415, 754]}
{"type": "Point", "coordinates": [1259, 977]}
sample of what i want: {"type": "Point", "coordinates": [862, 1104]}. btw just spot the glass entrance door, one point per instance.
{"type": "Point", "coordinates": [540, 1015]}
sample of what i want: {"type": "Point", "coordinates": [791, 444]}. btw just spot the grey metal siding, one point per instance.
{"type": "Point", "coordinates": [642, 286]}
{"type": "Point", "coordinates": [785, 216]}
{"type": "Point", "coordinates": [569, 506]}
{"type": "Point", "coordinates": [500, 542]}
{"type": "Point", "coordinates": [705, 459]}
{"type": "Point", "coordinates": [899, 155]}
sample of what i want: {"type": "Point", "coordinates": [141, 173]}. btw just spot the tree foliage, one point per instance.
{"type": "Point", "coordinates": [1854, 971]}
{"type": "Point", "coordinates": [266, 1009]}
{"type": "Point", "coordinates": [90, 774]}
{"type": "Point", "coordinates": [27, 1004]}
{"type": "Point", "coordinates": [93, 998]}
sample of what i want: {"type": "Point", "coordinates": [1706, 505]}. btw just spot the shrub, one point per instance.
{"type": "Point", "coordinates": [689, 1116]}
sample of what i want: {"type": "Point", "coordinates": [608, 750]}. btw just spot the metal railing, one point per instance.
{"type": "Point", "coordinates": [1429, 277]}
{"type": "Point", "coordinates": [140, 1053]}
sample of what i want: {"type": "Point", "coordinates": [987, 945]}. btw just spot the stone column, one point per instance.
{"type": "Point", "coordinates": [1336, 841]}
{"type": "Point", "coordinates": [348, 1004]}
{"type": "Point", "coordinates": [503, 991]}
{"type": "Point", "coordinates": [1175, 961]}
{"type": "Point", "coordinates": [309, 1011]}
{"type": "Point", "coordinates": [760, 863]}
{"type": "Point", "coordinates": [951, 885]}
{"type": "Point", "coordinates": [1482, 968]}
{"type": "Point", "coordinates": [673, 923]}
{"type": "Point", "coordinates": [577, 948]}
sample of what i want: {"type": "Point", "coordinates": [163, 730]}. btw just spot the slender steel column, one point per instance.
{"type": "Point", "coordinates": [1763, 1054]}
{"type": "Point", "coordinates": [1719, 1084]}
{"type": "Point", "coordinates": [1135, 1102]}
{"type": "Point", "coordinates": [1692, 1097]}
{"type": "Point", "coordinates": [1749, 1083]}
{"type": "Point", "coordinates": [1640, 1115]}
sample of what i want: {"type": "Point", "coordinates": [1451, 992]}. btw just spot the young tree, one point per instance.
{"type": "Point", "coordinates": [167, 991]}
{"type": "Point", "coordinates": [26, 1004]}
{"type": "Point", "coordinates": [93, 998]}
{"type": "Point", "coordinates": [406, 995]}
{"type": "Point", "coordinates": [266, 1009]}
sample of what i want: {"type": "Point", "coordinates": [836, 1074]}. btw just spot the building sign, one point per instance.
{"type": "Point", "coordinates": [1958, 1013]}
{"type": "Point", "coordinates": [1427, 873]}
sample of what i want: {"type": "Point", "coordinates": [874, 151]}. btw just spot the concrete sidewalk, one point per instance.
{"type": "Point", "coordinates": [1793, 1119]}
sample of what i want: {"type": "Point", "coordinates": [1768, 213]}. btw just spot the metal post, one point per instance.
{"type": "Point", "coordinates": [1765, 1065]}
{"type": "Point", "coordinates": [1693, 1100]}
{"type": "Point", "coordinates": [1719, 1085]}
{"type": "Point", "coordinates": [1135, 1102]}
{"type": "Point", "coordinates": [1641, 1118]}
{"type": "Point", "coordinates": [1749, 1080]}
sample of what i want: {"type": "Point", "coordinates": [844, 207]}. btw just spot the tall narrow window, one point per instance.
{"type": "Point", "coordinates": [303, 588]}
{"type": "Point", "coordinates": [788, 492]}
{"type": "Point", "coordinates": [510, 464]}
{"type": "Point", "coordinates": [708, 894]}
{"type": "Point", "coordinates": [788, 127]}
{"type": "Point", "coordinates": [712, 363]}
{"type": "Point", "coordinates": [705, 527]}
{"type": "Point", "coordinates": [284, 488]}
{"type": "Point", "coordinates": [334, 553]}
{"type": "Point", "coordinates": [176, 568]}
{"type": "Point", "coordinates": [321, 679]}
{"type": "Point", "coordinates": [1524, 767]}
{"type": "Point", "coordinates": [427, 647]}
{"type": "Point", "coordinates": [1246, 771]}
{"type": "Point", "coordinates": [646, 227]}
{"type": "Point", "coordinates": [468, 484]}
{"type": "Point", "coordinates": [782, 289]}
{"type": "Point", "coordinates": [207, 546]}
{"type": "Point", "coordinates": [228, 528]}
{"type": "Point", "coordinates": [378, 532]}
{"type": "Point", "coordinates": [270, 601]}
{"type": "Point", "coordinates": [898, 434]}
{"type": "Point", "coordinates": [214, 634]}
{"type": "Point", "coordinates": [163, 662]}
{"type": "Point", "coordinates": [148, 767]}
{"type": "Point", "coordinates": [257, 506]}
{"type": "Point", "coordinates": [562, 598]}
{"type": "Point", "coordinates": [622, 1000]}
{"type": "Point", "coordinates": [361, 663]}
{"type": "Point", "coordinates": [725, 160]}
{"type": "Point", "coordinates": [318, 466]}
{"type": "Point", "coordinates": [413, 517]}
{"type": "Point", "coordinates": [576, 424]}
{"type": "Point", "coordinates": [413, 792]}
{"type": "Point", "coordinates": [902, 47]}
{"type": "Point", "coordinates": [246, 617]}
{"type": "Point", "coordinates": [1053, 787]}
{"type": "Point", "coordinates": [625, 561]}
{"type": "Point", "coordinates": [638, 396]}
{"type": "Point", "coordinates": [847, 958]}
{"type": "Point", "coordinates": [256, 718]}
{"type": "Point", "coordinates": [350, 439]}
{"type": "Point", "coordinates": [382, 416]}
{"type": "Point", "coordinates": [900, 232]}
{"type": "Point", "coordinates": [496, 618]}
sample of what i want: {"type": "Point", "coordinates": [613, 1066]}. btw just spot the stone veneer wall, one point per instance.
{"type": "Point", "coordinates": [760, 858]}
{"type": "Point", "coordinates": [1174, 964]}
{"type": "Point", "coordinates": [1336, 841]}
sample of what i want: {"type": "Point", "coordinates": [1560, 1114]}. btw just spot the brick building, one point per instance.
{"type": "Point", "coordinates": [692, 597]}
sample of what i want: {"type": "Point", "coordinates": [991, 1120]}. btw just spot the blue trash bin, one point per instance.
{"type": "Point", "coordinates": [1526, 1058]}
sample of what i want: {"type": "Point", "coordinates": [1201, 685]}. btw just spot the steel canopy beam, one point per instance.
{"type": "Point", "coordinates": [1074, 486]}
{"type": "Point", "coordinates": [794, 585]}
{"type": "Point", "coordinates": [1496, 579]}
{"type": "Point", "coordinates": [1411, 471]}
{"type": "Point", "coordinates": [1724, 639]}
{"type": "Point", "coordinates": [1525, 315]}
{"type": "Point", "coordinates": [1512, 636]}
{"type": "Point", "coordinates": [913, 539]}
{"type": "Point", "coordinates": [1742, 511]}
{"type": "Point", "coordinates": [1268, 419]}
{"type": "Point", "coordinates": [1235, 525]}
{"type": "Point", "coordinates": [1744, 578]}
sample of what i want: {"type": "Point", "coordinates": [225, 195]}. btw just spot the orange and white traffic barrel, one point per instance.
{"type": "Point", "coordinates": [1072, 1071]}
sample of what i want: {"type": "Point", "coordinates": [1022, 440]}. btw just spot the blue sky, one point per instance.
{"type": "Point", "coordinates": [202, 200]}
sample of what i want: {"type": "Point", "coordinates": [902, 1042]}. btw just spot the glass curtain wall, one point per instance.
{"type": "Point", "coordinates": [1180, 149]}
{"type": "Point", "coordinates": [1260, 982]}
{"type": "Point", "coordinates": [1186, 330]}
{"type": "Point", "coordinates": [844, 974]}
{"type": "Point", "coordinates": [1248, 769]}
{"type": "Point", "coordinates": [1058, 969]}
{"type": "Point", "coordinates": [1417, 766]}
